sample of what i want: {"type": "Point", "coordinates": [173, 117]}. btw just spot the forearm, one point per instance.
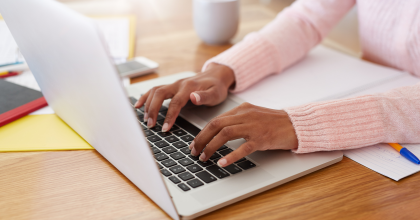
{"type": "Point", "coordinates": [391, 117]}
{"type": "Point", "coordinates": [283, 41]}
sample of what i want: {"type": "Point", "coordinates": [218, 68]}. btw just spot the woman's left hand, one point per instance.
{"type": "Point", "coordinates": [262, 128]}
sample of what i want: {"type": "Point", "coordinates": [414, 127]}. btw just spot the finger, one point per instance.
{"type": "Point", "coordinates": [211, 130]}
{"type": "Point", "coordinates": [160, 94]}
{"type": "Point", "coordinates": [225, 135]}
{"type": "Point", "coordinates": [177, 102]}
{"type": "Point", "coordinates": [242, 151]}
{"type": "Point", "coordinates": [148, 101]}
{"type": "Point", "coordinates": [142, 100]}
{"type": "Point", "coordinates": [208, 97]}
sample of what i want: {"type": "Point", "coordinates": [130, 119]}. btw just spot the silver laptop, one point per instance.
{"type": "Point", "coordinates": [72, 66]}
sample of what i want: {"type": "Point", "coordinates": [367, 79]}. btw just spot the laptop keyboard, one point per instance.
{"type": "Point", "coordinates": [174, 157]}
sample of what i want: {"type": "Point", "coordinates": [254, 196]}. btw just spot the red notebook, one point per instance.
{"type": "Point", "coordinates": [17, 101]}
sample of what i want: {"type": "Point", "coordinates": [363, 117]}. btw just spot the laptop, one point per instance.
{"type": "Point", "coordinates": [72, 65]}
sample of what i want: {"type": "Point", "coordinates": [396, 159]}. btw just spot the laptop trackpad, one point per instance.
{"type": "Point", "coordinates": [233, 186]}
{"type": "Point", "coordinates": [207, 113]}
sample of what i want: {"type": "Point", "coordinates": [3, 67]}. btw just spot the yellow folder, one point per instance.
{"type": "Point", "coordinates": [40, 132]}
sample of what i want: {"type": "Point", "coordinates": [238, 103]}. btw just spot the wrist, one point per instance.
{"type": "Point", "coordinates": [224, 73]}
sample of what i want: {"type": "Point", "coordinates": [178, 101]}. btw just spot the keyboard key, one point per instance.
{"type": "Point", "coordinates": [148, 133]}
{"type": "Point", "coordinates": [132, 100]}
{"type": "Point", "coordinates": [186, 151]}
{"type": "Point", "coordinates": [177, 155]}
{"type": "Point", "coordinates": [232, 169]}
{"type": "Point", "coordinates": [243, 159]}
{"type": "Point", "coordinates": [165, 172]}
{"type": "Point", "coordinates": [161, 144]}
{"type": "Point", "coordinates": [144, 127]}
{"type": "Point", "coordinates": [206, 177]}
{"type": "Point", "coordinates": [194, 168]}
{"type": "Point", "coordinates": [179, 144]}
{"type": "Point", "coordinates": [160, 118]}
{"type": "Point", "coordinates": [140, 117]}
{"type": "Point", "coordinates": [157, 128]}
{"type": "Point", "coordinates": [174, 179]}
{"type": "Point", "coordinates": [171, 139]}
{"type": "Point", "coordinates": [168, 163]}
{"type": "Point", "coordinates": [187, 138]}
{"type": "Point", "coordinates": [163, 109]}
{"type": "Point", "coordinates": [185, 162]}
{"type": "Point", "coordinates": [187, 126]}
{"type": "Point", "coordinates": [205, 164]}
{"type": "Point", "coordinates": [160, 166]}
{"type": "Point", "coordinates": [195, 158]}
{"type": "Point", "coordinates": [195, 183]}
{"type": "Point", "coordinates": [183, 187]}
{"type": "Point", "coordinates": [155, 150]}
{"type": "Point", "coordinates": [141, 108]}
{"type": "Point", "coordinates": [164, 113]}
{"type": "Point", "coordinates": [185, 176]}
{"type": "Point", "coordinates": [215, 156]}
{"type": "Point", "coordinates": [164, 134]}
{"type": "Point", "coordinates": [169, 150]}
{"type": "Point", "coordinates": [225, 152]}
{"type": "Point", "coordinates": [179, 133]}
{"type": "Point", "coordinates": [217, 171]}
{"type": "Point", "coordinates": [174, 127]}
{"type": "Point", "coordinates": [177, 169]}
{"type": "Point", "coordinates": [153, 138]}
{"type": "Point", "coordinates": [222, 148]}
{"type": "Point", "coordinates": [161, 156]}
{"type": "Point", "coordinates": [246, 164]}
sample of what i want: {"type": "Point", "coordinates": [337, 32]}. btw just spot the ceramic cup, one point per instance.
{"type": "Point", "coordinates": [216, 21]}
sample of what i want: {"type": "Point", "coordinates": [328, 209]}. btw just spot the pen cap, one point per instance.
{"type": "Point", "coordinates": [407, 154]}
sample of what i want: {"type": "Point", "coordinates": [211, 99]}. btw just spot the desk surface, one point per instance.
{"type": "Point", "coordinates": [83, 185]}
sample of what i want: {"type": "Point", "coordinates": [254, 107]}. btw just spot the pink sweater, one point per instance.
{"type": "Point", "coordinates": [390, 35]}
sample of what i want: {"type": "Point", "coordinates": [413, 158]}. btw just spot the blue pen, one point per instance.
{"type": "Point", "coordinates": [405, 153]}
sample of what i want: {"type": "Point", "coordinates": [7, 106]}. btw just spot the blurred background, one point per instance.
{"type": "Point", "coordinates": [165, 32]}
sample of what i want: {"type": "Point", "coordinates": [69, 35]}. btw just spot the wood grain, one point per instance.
{"type": "Point", "coordinates": [83, 185]}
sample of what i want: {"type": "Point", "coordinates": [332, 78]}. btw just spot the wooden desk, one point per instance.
{"type": "Point", "coordinates": [83, 185]}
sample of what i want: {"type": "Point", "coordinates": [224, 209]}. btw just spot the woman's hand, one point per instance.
{"type": "Point", "coordinates": [209, 88]}
{"type": "Point", "coordinates": [262, 128]}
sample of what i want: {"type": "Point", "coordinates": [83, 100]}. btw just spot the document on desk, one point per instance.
{"type": "Point", "coordinates": [9, 51]}
{"type": "Point", "coordinates": [385, 160]}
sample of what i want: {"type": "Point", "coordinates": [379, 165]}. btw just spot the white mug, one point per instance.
{"type": "Point", "coordinates": [216, 21]}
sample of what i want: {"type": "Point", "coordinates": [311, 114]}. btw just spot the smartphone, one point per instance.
{"type": "Point", "coordinates": [137, 67]}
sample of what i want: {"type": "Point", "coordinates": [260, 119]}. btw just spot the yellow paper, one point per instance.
{"type": "Point", "coordinates": [38, 133]}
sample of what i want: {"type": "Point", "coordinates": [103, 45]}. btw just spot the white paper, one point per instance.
{"type": "Point", "coordinates": [385, 160]}
{"type": "Point", "coordinates": [9, 51]}
{"type": "Point", "coordinates": [323, 74]}
{"type": "Point", "coordinates": [116, 32]}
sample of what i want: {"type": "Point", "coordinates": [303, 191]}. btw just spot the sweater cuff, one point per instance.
{"type": "Point", "coordinates": [251, 60]}
{"type": "Point", "coordinates": [338, 125]}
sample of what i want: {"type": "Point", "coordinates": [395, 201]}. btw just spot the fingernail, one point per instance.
{"type": "Point", "coordinates": [222, 162]}
{"type": "Point", "coordinates": [150, 122]}
{"type": "Point", "coordinates": [165, 127]}
{"type": "Point", "coordinates": [191, 145]}
{"type": "Point", "coordinates": [146, 116]}
{"type": "Point", "coordinates": [193, 151]}
{"type": "Point", "coordinates": [202, 156]}
{"type": "Point", "coordinates": [197, 97]}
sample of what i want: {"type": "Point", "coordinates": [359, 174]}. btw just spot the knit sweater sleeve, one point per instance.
{"type": "Point", "coordinates": [391, 117]}
{"type": "Point", "coordinates": [283, 41]}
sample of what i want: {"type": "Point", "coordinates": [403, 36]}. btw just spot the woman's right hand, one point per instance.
{"type": "Point", "coordinates": [208, 88]}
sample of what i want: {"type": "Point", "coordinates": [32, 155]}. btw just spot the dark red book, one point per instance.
{"type": "Point", "coordinates": [17, 101]}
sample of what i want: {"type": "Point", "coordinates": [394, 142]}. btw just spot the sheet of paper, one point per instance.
{"type": "Point", "coordinates": [385, 160]}
{"type": "Point", "coordinates": [40, 132]}
{"type": "Point", "coordinates": [324, 74]}
{"type": "Point", "coordinates": [116, 32]}
{"type": "Point", "coordinates": [9, 51]}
